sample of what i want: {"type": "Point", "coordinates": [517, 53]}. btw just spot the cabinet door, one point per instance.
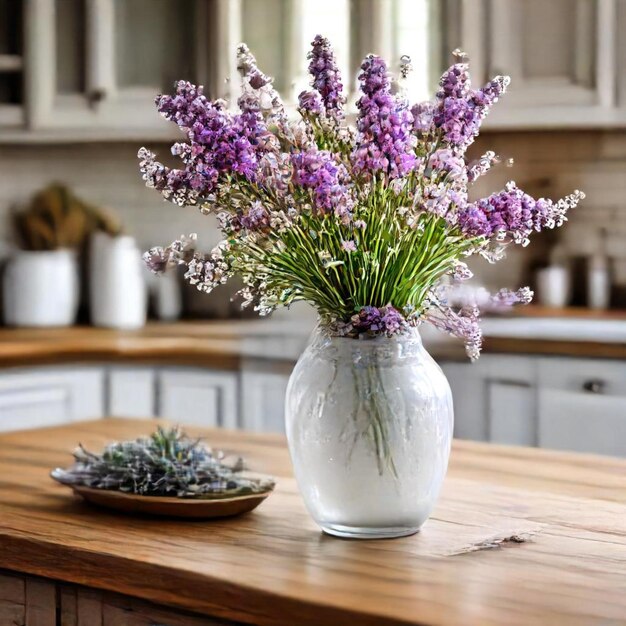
{"type": "Point", "coordinates": [511, 412]}
{"type": "Point", "coordinates": [263, 388]}
{"type": "Point", "coordinates": [192, 396]}
{"type": "Point", "coordinates": [467, 381]}
{"type": "Point", "coordinates": [11, 64]}
{"type": "Point", "coordinates": [561, 56]}
{"type": "Point", "coordinates": [494, 399]}
{"type": "Point", "coordinates": [100, 63]}
{"type": "Point", "coordinates": [582, 422]}
{"type": "Point", "coordinates": [582, 405]}
{"type": "Point", "coordinates": [132, 392]}
{"type": "Point", "coordinates": [45, 397]}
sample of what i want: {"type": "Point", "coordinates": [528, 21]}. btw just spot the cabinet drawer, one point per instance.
{"type": "Point", "coordinates": [42, 397]}
{"type": "Point", "coordinates": [583, 375]}
{"type": "Point", "coordinates": [582, 422]}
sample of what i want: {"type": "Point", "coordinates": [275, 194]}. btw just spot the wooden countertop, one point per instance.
{"type": "Point", "coordinates": [274, 567]}
{"type": "Point", "coordinates": [222, 344]}
{"type": "Point", "coordinates": [183, 343]}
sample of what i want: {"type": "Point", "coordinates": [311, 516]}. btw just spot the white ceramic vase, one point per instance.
{"type": "Point", "coordinates": [369, 425]}
{"type": "Point", "coordinates": [41, 288]}
{"type": "Point", "coordinates": [117, 285]}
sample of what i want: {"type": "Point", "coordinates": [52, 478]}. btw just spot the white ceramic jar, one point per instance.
{"type": "Point", "coordinates": [41, 288]}
{"type": "Point", "coordinates": [369, 425]}
{"type": "Point", "coordinates": [117, 285]}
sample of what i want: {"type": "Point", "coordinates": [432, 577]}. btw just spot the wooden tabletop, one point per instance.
{"type": "Point", "coordinates": [519, 536]}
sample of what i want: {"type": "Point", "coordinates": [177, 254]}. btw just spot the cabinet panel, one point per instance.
{"type": "Point", "coordinates": [582, 422]}
{"type": "Point", "coordinates": [263, 388]}
{"type": "Point", "coordinates": [132, 392]}
{"type": "Point", "coordinates": [467, 381]}
{"type": "Point", "coordinates": [563, 57]}
{"type": "Point", "coordinates": [198, 397]}
{"type": "Point", "coordinates": [607, 377]}
{"type": "Point", "coordinates": [42, 397]}
{"type": "Point", "coordinates": [99, 63]}
{"type": "Point", "coordinates": [582, 405]}
{"type": "Point", "coordinates": [511, 413]}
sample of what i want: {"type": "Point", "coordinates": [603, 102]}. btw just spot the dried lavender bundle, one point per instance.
{"type": "Point", "coordinates": [165, 464]}
{"type": "Point", "coordinates": [367, 223]}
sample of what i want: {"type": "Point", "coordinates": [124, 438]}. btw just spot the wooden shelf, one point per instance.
{"type": "Point", "coordinates": [537, 310]}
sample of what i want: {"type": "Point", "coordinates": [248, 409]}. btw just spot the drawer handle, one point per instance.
{"type": "Point", "coordinates": [594, 385]}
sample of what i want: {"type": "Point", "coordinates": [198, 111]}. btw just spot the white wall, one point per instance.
{"type": "Point", "coordinates": [550, 164]}
{"type": "Point", "coordinates": [104, 174]}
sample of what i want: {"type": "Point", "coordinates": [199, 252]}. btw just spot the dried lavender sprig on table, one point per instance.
{"type": "Point", "coordinates": [165, 464]}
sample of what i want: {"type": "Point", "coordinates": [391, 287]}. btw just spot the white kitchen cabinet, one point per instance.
{"type": "Point", "coordinates": [582, 405]}
{"type": "Point", "coordinates": [566, 58]}
{"type": "Point", "coordinates": [95, 66]}
{"type": "Point", "coordinates": [36, 397]}
{"type": "Point", "coordinates": [467, 381]}
{"type": "Point", "coordinates": [511, 416]}
{"type": "Point", "coordinates": [131, 392]}
{"type": "Point", "coordinates": [196, 396]}
{"type": "Point", "coordinates": [494, 399]}
{"type": "Point", "coordinates": [263, 388]}
{"type": "Point", "coordinates": [11, 64]}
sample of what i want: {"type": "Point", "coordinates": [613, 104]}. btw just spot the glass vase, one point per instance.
{"type": "Point", "coordinates": [369, 425]}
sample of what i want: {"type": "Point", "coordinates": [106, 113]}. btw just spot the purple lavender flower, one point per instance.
{"type": "Point", "coordinates": [310, 103]}
{"type": "Point", "coordinates": [460, 110]}
{"type": "Point", "coordinates": [378, 320]}
{"type": "Point", "coordinates": [384, 142]}
{"type": "Point", "coordinates": [423, 113]}
{"type": "Point", "coordinates": [513, 213]}
{"type": "Point", "coordinates": [463, 324]}
{"type": "Point", "coordinates": [207, 271]}
{"type": "Point", "coordinates": [218, 143]}
{"type": "Point", "coordinates": [348, 246]}
{"type": "Point", "coordinates": [461, 272]}
{"type": "Point", "coordinates": [454, 82]}
{"type": "Point", "coordinates": [317, 170]}
{"type": "Point", "coordinates": [256, 218]}
{"type": "Point", "coordinates": [506, 298]}
{"type": "Point", "coordinates": [481, 166]}
{"type": "Point", "coordinates": [258, 93]}
{"type": "Point", "coordinates": [447, 162]}
{"type": "Point", "coordinates": [326, 78]}
{"type": "Point", "coordinates": [392, 320]}
{"type": "Point", "coordinates": [158, 259]}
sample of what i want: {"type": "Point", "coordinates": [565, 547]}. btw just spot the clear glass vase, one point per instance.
{"type": "Point", "coordinates": [369, 425]}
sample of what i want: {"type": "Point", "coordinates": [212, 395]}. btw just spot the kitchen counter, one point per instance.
{"type": "Point", "coordinates": [519, 536]}
{"type": "Point", "coordinates": [223, 344]}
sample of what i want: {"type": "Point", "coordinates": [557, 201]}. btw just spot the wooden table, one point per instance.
{"type": "Point", "coordinates": [520, 536]}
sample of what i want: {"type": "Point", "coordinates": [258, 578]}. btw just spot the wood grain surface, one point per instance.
{"type": "Point", "coordinates": [519, 536]}
{"type": "Point", "coordinates": [221, 344]}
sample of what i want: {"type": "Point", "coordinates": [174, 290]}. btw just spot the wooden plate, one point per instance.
{"type": "Point", "coordinates": [171, 507]}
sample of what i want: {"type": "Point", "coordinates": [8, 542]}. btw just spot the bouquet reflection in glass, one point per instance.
{"type": "Point", "coordinates": [371, 225]}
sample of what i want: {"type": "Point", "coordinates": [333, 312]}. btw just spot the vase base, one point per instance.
{"type": "Point", "coordinates": [359, 532]}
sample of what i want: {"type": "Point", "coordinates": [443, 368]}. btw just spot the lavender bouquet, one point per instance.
{"type": "Point", "coordinates": [370, 224]}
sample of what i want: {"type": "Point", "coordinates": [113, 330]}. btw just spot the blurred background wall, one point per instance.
{"type": "Point", "coordinates": [78, 78]}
